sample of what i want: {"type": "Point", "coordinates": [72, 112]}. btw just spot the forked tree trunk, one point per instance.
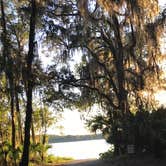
{"type": "Point", "coordinates": [122, 93]}
{"type": "Point", "coordinates": [119, 65]}
{"type": "Point", "coordinates": [28, 119]}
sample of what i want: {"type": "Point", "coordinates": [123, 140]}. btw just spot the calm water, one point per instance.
{"type": "Point", "coordinates": [80, 149]}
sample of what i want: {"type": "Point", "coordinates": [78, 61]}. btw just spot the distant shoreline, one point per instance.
{"type": "Point", "coordinates": [72, 138]}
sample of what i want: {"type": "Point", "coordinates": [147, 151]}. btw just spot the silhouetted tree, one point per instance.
{"type": "Point", "coordinates": [29, 61]}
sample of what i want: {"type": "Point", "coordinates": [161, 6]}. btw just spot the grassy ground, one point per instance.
{"type": "Point", "coordinates": [52, 160]}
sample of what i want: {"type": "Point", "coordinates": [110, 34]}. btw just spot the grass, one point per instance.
{"type": "Point", "coordinates": [57, 159]}
{"type": "Point", "coordinates": [51, 160]}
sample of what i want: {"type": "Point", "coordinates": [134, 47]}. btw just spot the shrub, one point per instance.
{"type": "Point", "coordinates": [106, 155]}
{"type": "Point", "coordinates": [145, 130]}
{"type": "Point", "coordinates": [57, 159]}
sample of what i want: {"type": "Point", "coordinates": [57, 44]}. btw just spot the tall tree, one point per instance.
{"type": "Point", "coordinates": [30, 57]}
{"type": "Point", "coordinates": [8, 68]}
{"type": "Point", "coordinates": [120, 43]}
{"type": "Point", "coordinates": [123, 55]}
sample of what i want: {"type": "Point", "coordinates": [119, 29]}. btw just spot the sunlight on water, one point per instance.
{"type": "Point", "coordinates": [80, 149]}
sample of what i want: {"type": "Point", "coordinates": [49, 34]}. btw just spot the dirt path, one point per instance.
{"type": "Point", "coordinates": [117, 162]}
{"type": "Point", "coordinates": [88, 162]}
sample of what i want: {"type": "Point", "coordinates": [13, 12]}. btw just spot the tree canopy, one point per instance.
{"type": "Point", "coordinates": [105, 52]}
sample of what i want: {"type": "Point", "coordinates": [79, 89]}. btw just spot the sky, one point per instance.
{"type": "Point", "coordinates": [72, 122]}
{"type": "Point", "coordinates": [162, 2]}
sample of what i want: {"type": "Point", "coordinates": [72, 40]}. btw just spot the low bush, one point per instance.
{"type": "Point", "coordinates": [145, 130]}
{"type": "Point", "coordinates": [57, 159]}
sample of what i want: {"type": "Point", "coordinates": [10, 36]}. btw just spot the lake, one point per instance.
{"type": "Point", "coordinates": [79, 149]}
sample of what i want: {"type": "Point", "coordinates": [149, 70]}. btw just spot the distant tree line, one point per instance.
{"type": "Point", "coordinates": [73, 138]}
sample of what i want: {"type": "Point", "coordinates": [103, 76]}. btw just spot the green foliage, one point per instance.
{"type": "Point", "coordinates": [8, 154]}
{"type": "Point", "coordinates": [57, 159]}
{"type": "Point", "coordinates": [107, 155]}
{"type": "Point", "coordinates": [145, 130]}
{"type": "Point", "coordinates": [38, 151]}
{"type": "Point", "coordinates": [15, 154]}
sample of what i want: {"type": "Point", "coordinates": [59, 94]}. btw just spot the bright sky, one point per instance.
{"type": "Point", "coordinates": [162, 2]}
{"type": "Point", "coordinates": [161, 97]}
{"type": "Point", "coordinates": [71, 122]}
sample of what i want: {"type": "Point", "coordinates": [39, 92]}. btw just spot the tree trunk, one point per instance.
{"type": "Point", "coordinates": [4, 34]}
{"type": "Point", "coordinates": [28, 120]}
{"type": "Point", "coordinates": [25, 155]}
{"type": "Point", "coordinates": [122, 92]}
{"type": "Point", "coordinates": [33, 132]}
{"type": "Point", "coordinates": [19, 118]}
{"type": "Point", "coordinates": [3, 160]}
{"type": "Point", "coordinates": [116, 150]}
{"type": "Point", "coordinates": [12, 114]}
{"type": "Point", "coordinates": [119, 65]}
{"type": "Point", "coordinates": [8, 64]}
